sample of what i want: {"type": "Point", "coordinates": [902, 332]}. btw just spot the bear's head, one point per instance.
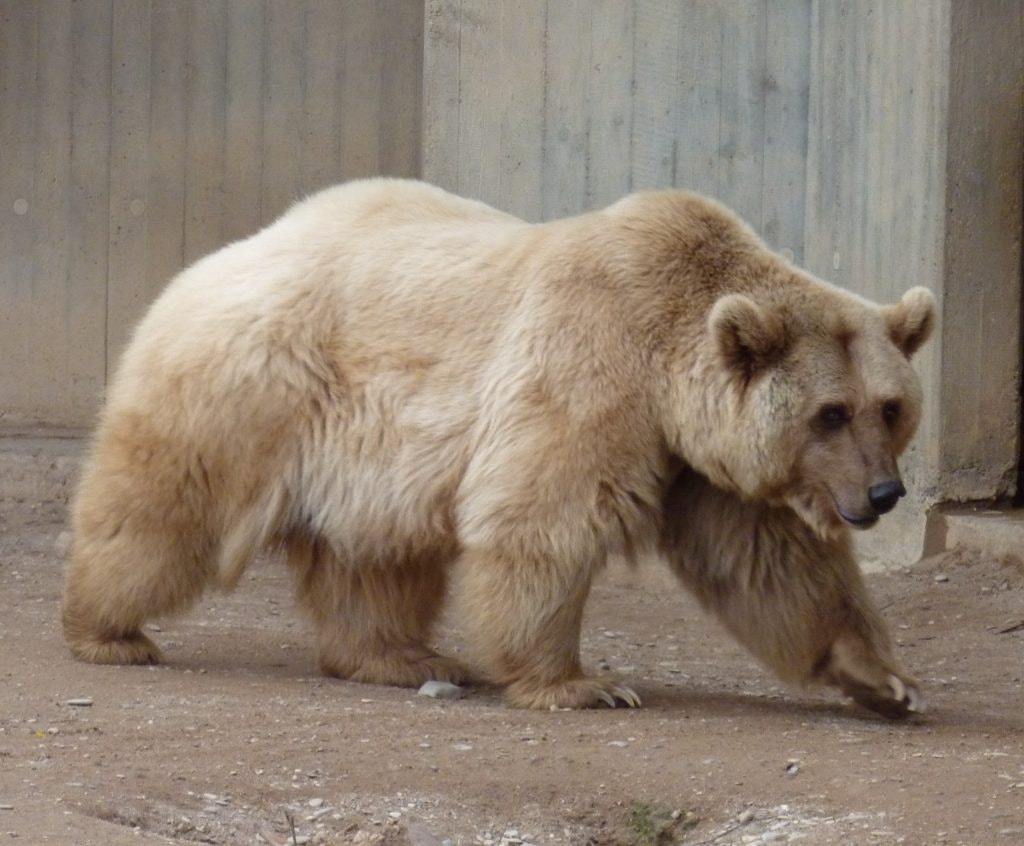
{"type": "Point", "coordinates": [816, 398]}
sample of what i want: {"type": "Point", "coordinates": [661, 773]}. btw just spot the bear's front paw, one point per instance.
{"type": "Point", "coordinates": [576, 693]}
{"type": "Point", "coordinates": [866, 674]}
{"type": "Point", "coordinates": [894, 698]}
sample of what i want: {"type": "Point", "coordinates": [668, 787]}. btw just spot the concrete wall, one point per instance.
{"type": "Point", "coordinates": [877, 141]}
{"type": "Point", "coordinates": [881, 143]}
{"type": "Point", "coordinates": [549, 107]}
{"type": "Point", "coordinates": [137, 135]}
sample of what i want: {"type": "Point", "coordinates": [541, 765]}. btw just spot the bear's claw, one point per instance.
{"type": "Point", "coordinates": [577, 693]}
{"type": "Point", "coordinates": [620, 693]}
{"type": "Point", "coordinates": [896, 699]}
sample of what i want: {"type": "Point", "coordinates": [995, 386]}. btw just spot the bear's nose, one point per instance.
{"type": "Point", "coordinates": [884, 495]}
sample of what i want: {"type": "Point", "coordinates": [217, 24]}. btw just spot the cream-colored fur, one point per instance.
{"type": "Point", "coordinates": [389, 379]}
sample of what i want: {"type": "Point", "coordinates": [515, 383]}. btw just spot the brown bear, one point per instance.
{"type": "Point", "coordinates": [390, 379]}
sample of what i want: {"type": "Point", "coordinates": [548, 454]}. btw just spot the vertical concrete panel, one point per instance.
{"type": "Point", "coordinates": [54, 133]}
{"type": "Point", "coordinates": [566, 107]}
{"type": "Point", "coordinates": [206, 94]}
{"type": "Point", "coordinates": [981, 380]}
{"type": "Point", "coordinates": [479, 133]}
{"type": "Point", "coordinates": [655, 101]}
{"type": "Point", "coordinates": [786, 91]}
{"type": "Point", "coordinates": [442, 98]}
{"type": "Point", "coordinates": [498, 141]}
{"type": "Point", "coordinates": [610, 102]}
{"type": "Point", "coordinates": [832, 114]}
{"type": "Point", "coordinates": [400, 64]}
{"type": "Point", "coordinates": [875, 145]}
{"type": "Point", "coordinates": [282, 110]}
{"type": "Point", "coordinates": [127, 292]}
{"type": "Point", "coordinates": [741, 116]}
{"type": "Point", "coordinates": [319, 152]}
{"type": "Point", "coordinates": [243, 117]}
{"type": "Point", "coordinates": [79, 302]}
{"type": "Point", "coordinates": [697, 133]}
{"type": "Point", "coordinates": [50, 258]}
{"type": "Point", "coordinates": [165, 206]}
{"type": "Point", "coordinates": [22, 212]}
{"type": "Point", "coordinates": [520, 91]}
{"type": "Point", "coordinates": [361, 106]}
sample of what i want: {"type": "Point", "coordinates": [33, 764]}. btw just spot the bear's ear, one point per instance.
{"type": "Point", "coordinates": [748, 336]}
{"type": "Point", "coordinates": [911, 320]}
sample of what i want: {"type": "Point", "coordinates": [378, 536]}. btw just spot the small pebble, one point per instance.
{"type": "Point", "coordinates": [618, 744]}
{"type": "Point", "coordinates": [440, 690]}
{"type": "Point", "coordinates": [6, 807]}
{"type": "Point", "coordinates": [62, 545]}
{"type": "Point", "coordinates": [81, 702]}
{"type": "Point", "coordinates": [745, 817]}
{"type": "Point", "coordinates": [942, 577]}
{"type": "Point", "coordinates": [316, 803]}
{"type": "Point", "coordinates": [792, 768]}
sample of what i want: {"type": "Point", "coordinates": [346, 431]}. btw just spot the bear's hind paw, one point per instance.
{"type": "Point", "coordinates": [575, 694]}
{"type": "Point", "coordinates": [134, 648]}
{"type": "Point", "coordinates": [399, 669]}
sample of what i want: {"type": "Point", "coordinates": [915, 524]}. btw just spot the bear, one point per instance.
{"type": "Point", "coordinates": [391, 384]}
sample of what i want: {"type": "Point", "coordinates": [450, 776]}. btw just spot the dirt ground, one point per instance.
{"type": "Point", "coordinates": [238, 740]}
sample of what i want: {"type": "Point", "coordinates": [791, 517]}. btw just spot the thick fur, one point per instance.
{"type": "Point", "coordinates": [390, 379]}
{"type": "Point", "coordinates": [795, 600]}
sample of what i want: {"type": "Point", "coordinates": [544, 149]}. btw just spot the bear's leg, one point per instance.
{"type": "Point", "coordinates": [138, 553]}
{"type": "Point", "coordinates": [795, 601]}
{"type": "Point", "coordinates": [525, 619]}
{"type": "Point", "coordinates": [374, 622]}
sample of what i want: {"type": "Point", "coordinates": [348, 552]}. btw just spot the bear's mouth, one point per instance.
{"type": "Point", "coordinates": [859, 522]}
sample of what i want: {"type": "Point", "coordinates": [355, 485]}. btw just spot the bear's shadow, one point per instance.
{"type": "Point", "coordinates": [684, 703]}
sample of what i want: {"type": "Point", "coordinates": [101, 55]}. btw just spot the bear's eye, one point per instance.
{"type": "Point", "coordinates": [833, 417]}
{"type": "Point", "coordinates": [890, 411]}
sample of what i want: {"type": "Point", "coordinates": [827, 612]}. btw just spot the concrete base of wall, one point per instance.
{"type": "Point", "coordinates": [982, 531]}
{"type": "Point", "coordinates": [992, 532]}
{"type": "Point", "coordinates": [39, 465]}
{"type": "Point", "coordinates": [894, 543]}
